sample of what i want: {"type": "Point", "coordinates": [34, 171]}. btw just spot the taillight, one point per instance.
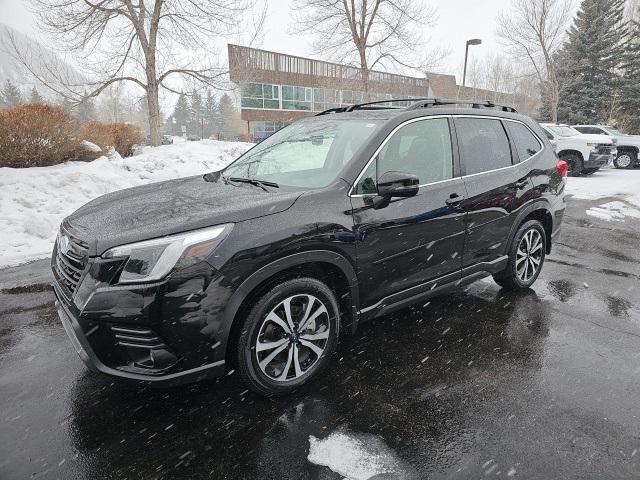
{"type": "Point", "coordinates": [563, 168]}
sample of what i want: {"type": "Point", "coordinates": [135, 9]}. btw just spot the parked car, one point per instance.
{"type": "Point", "coordinates": [332, 221]}
{"type": "Point", "coordinates": [193, 138]}
{"type": "Point", "coordinates": [584, 154]}
{"type": "Point", "coordinates": [627, 145]}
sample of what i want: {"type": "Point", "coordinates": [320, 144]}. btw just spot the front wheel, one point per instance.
{"type": "Point", "coordinates": [625, 160]}
{"type": "Point", "coordinates": [526, 257]}
{"type": "Point", "coordinates": [575, 164]}
{"type": "Point", "coordinates": [288, 337]}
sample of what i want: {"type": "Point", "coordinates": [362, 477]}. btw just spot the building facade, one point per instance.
{"type": "Point", "coordinates": [276, 89]}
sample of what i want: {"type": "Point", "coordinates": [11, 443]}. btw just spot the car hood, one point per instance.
{"type": "Point", "coordinates": [629, 140]}
{"type": "Point", "coordinates": [592, 138]}
{"type": "Point", "coordinates": [174, 206]}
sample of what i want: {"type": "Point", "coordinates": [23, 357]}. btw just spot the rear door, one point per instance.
{"type": "Point", "coordinates": [493, 185]}
{"type": "Point", "coordinates": [411, 240]}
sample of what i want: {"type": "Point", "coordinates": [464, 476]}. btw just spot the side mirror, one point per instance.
{"type": "Point", "coordinates": [395, 184]}
{"type": "Point", "coordinates": [398, 184]}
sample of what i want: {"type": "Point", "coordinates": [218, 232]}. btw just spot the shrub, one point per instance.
{"type": "Point", "coordinates": [38, 135]}
{"type": "Point", "coordinates": [123, 137]}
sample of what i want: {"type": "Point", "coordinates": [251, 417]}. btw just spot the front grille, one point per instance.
{"type": "Point", "coordinates": [604, 149]}
{"type": "Point", "coordinates": [136, 337]}
{"type": "Point", "coordinates": [70, 264]}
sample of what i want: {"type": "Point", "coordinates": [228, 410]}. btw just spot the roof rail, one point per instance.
{"type": "Point", "coordinates": [417, 103]}
{"type": "Point", "coordinates": [436, 102]}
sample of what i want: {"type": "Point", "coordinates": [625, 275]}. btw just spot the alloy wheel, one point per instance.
{"type": "Point", "coordinates": [624, 160]}
{"type": "Point", "coordinates": [292, 338]}
{"type": "Point", "coordinates": [529, 255]}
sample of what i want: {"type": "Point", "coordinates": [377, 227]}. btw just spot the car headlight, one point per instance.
{"type": "Point", "coordinates": [592, 146]}
{"type": "Point", "coordinates": [151, 260]}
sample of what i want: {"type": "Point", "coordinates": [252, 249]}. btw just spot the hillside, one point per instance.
{"type": "Point", "coordinates": [40, 58]}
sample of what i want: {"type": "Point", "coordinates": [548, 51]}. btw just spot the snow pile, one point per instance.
{"type": "Point", "coordinates": [33, 201]}
{"type": "Point", "coordinates": [614, 211]}
{"type": "Point", "coordinates": [357, 456]}
{"type": "Point", "coordinates": [607, 183]}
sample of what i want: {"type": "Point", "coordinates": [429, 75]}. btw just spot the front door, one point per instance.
{"type": "Point", "coordinates": [412, 240]}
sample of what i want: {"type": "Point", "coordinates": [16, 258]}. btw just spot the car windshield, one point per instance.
{"type": "Point", "coordinates": [615, 132]}
{"type": "Point", "coordinates": [563, 131]}
{"type": "Point", "coordinates": [305, 154]}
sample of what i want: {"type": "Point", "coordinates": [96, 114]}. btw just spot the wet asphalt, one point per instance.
{"type": "Point", "coordinates": [478, 384]}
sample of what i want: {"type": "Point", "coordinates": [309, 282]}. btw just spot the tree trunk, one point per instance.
{"type": "Point", "coordinates": [154, 113]}
{"type": "Point", "coordinates": [364, 69]}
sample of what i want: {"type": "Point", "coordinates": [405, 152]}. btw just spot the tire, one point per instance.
{"type": "Point", "coordinates": [575, 163]}
{"type": "Point", "coordinates": [513, 277]}
{"type": "Point", "coordinates": [289, 358]}
{"type": "Point", "coordinates": [625, 160]}
{"type": "Point", "coordinates": [590, 171]}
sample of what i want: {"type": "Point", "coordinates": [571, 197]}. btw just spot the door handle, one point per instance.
{"type": "Point", "coordinates": [454, 199]}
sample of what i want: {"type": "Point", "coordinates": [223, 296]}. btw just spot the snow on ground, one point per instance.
{"type": "Point", "coordinates": [614, 211]}
{"type": "Point", "coordinates": [33, 201]}
{"type": "Point", "coordinates": [357, 456]}
{"type": "Point", "coordinates": [624, 184]}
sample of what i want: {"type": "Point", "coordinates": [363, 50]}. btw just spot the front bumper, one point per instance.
{"type": "Point", "coordinates": [91, 360]}
{"type": "Point", "coordinates": [167, 333]}
{"type": "Point", "coordinates": [597, 160]}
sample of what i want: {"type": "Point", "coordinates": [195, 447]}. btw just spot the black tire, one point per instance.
{"type": "Point", "coordinates": [575, 164]}
{"type": "Point", "coordinates": [625, 160]}
{"type": "Point", "coordinates": [262, 380]}
{"type": "Point", "coordinates": [590, 171]}
{"type": "Point", "coordinates": [510, 278]}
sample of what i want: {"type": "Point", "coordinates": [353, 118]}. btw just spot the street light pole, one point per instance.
{"type": "Point", "coordinates": [473, 41]}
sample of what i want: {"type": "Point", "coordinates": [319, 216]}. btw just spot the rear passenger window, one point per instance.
{"type": "Point", "coordinates": [527, 145]}
{"type": "Point", "coordinates": [483, 143]}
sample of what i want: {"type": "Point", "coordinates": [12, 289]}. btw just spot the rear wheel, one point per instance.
{"type": "Point", "coordinates": [288, 337]}
{"type": "Point", "coordinates": [526, 257]}
{"type": "Point", "coordinates": [625, 159]}
{"type": "Point", "coordinates": [575, 164]}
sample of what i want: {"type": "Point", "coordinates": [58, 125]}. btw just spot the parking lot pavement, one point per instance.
{"type": "Point", "coordinates": [480, 383]}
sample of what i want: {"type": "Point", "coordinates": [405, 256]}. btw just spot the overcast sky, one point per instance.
{"type": "Point", "coordinates": [458, 20]}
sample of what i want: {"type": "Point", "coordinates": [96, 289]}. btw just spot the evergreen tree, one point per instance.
{"type": "Point", "coordinates": [181, 114]}
{"type": "Point", "coordinates": [11, 94]}
{"type": "Point", "coordinates": [195, 115]}
{"type": "Point", "coordinates": [544, 113]}
{"type": "Point", "coordinates": [211, 115]}
{"type": "Point", "coordinates": [230, 122]}
{"type": "Point", "coordinates": [589, 62]}
{"type": "Point", "coordinates": [35, 96]}
{"type": "Point", "coordinates": [629, 98]}
{"type": "Point", "coordinates": [86, 110]}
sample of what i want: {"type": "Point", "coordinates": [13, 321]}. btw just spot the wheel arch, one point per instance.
{"type": "Point", "coordinates": [628, 148]}
{"type": "Point", "coordinates": [570, 151]}
{"type": "Point", "coordinates": [325, 265]}
{"type": "Point", "coordinates": [538, 210]}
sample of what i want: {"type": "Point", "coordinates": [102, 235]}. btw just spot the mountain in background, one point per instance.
{"type": "Point", "coordinates": [41, 59]}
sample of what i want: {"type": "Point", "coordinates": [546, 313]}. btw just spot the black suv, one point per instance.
{"type": "Point", "coordinates": [334, 220]}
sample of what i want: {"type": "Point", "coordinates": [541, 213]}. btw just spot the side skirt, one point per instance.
{"type": "Point", "coordinates": [433, 288]}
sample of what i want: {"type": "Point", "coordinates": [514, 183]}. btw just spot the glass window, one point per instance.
{"type": "Point", "coordinates": [309, 153]}
{"type": "Point", "coordinates": [258, 95]}
{"type": "Point", "coordinates": [296, 98]}
{"type": "Point", "coordinates": [527, 144]}
{"type": "Point", "coordinates": [483, 144]}
{"type": "Point", "coordinates": [563, 130]}
{"type": "Point", "coordinates": [422, 148]}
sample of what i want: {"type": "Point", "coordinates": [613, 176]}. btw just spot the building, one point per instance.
{"type": "Point", "coordinates": [276, 89]}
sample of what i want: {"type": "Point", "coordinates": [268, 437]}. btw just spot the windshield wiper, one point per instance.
{"type": "Point", "coordinates": [252, 181]}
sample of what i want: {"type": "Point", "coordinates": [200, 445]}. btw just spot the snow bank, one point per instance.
{"type": "Point", "coordinates": [624, 184]}
{"type": "Point", "coordinates": [614, 211]}
{"type": "Point", "coordinates": [357, 456]}
{"type": "Point", "coordinates": [33, 201]}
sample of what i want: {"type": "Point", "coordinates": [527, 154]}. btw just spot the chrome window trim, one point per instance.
{"type": "Point", "coordinates": [375, 154]}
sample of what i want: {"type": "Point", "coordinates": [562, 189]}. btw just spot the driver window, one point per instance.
{"type": "Point", "coordinates": [422, 148]}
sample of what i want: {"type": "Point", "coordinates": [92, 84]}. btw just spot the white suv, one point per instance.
{"type": "Point", "coordinates": [584, 154]}
{"type": "Point", "coordinates": [628, 145]}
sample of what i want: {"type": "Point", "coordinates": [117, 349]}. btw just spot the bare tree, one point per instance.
{"type": "Point", "coordinates": [143, 42]}
{"type": "Point", "coordinates": [534, 31]}
{"type": "Point", "coordinates": [368, 33]}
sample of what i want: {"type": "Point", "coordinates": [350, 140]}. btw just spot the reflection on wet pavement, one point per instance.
{"type": "Point", "coordinates": [478, 384]}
